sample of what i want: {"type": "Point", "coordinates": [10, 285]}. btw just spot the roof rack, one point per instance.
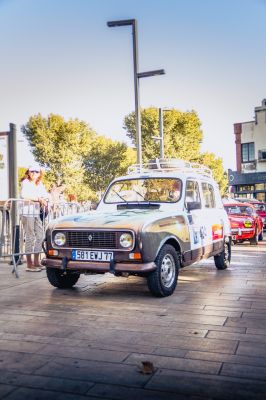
{"type": "Point", "coordinates": [169, 165]}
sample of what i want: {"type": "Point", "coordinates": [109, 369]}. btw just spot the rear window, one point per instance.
{"type": "Point", "coordinates": [208, 195]}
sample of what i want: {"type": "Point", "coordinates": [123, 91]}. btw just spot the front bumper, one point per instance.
{"type": "Point", "coordinates": [101, 267]}
{"type": "Point", "coordinates": [242, 233]}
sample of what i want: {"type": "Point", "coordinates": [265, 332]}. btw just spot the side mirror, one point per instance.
{"type": "Point", "coordinates": [94, 206]}
{"type": "Point", "coordinates": [193, 205]}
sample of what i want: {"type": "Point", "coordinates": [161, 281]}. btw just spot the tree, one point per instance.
{"type": "Point", "coordinates": [216, 165]}
{"type": "Point", "coordinates": [2, 164]}
{"type": "Point", "coordinates": [59, 146]}
{"type": "Point", "coordinates": [106, 160]}
{"type": "Point", "coordinates": [182, 133]}
{"type": "Point", "coordinates": [182, 139]}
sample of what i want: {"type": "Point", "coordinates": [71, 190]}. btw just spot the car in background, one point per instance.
{"type": "Point", "coordinates": [245, 223]}
{"type": "Point", "coordinates": [260, 207]}
{"type": "Point", "coordinates": [261, 210]}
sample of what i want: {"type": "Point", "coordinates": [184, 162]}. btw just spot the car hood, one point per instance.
{"type": "Point", "coordinates": [239, 218]}
{"type": "Point", "coordinates": [125, 219]}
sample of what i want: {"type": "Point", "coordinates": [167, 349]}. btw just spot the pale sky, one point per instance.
{"type": "Point", "coordinates": [59, 56]}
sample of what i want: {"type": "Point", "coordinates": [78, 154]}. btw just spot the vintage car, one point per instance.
{"type": "Point", "coordinates": [260, 207]}
{"type": "Point", "coordinates": [160, 217]}
{"type": "Point", "coordinates": [245, 223]}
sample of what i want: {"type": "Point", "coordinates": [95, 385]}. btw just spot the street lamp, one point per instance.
{"type": "Point", "coordinates": [137, 76]}
{"type": "Point", "coordinates": [161, 137]}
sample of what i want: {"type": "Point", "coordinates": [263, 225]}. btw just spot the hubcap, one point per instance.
{"type": "Point", "coordinates": [226, 252]}
{"type": "Point", "coordinates": [168, 270]}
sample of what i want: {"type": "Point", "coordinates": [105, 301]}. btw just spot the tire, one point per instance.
{"type": "Point", "coordinates": [162, 281]}
{"type": "Point", "coordinates": [222, 260]}
{"type": "Point", "coordinates": [61, 280]}
{"type": "Point", "coordinates": [255, 239]}
{"type": "Point", "coordinates": [260, 238]}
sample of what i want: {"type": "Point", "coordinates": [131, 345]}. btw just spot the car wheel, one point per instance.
{"type": "Point", "coordinates": [261, 236]}
{"type": "Point", "coordinates": [60, 279]}
{"type": "Point", "coordinates": [162, 282]}
{"type": "Point", "coordinates": [255, 239]}
{"type": "Point", "coordinates": [222, 260]}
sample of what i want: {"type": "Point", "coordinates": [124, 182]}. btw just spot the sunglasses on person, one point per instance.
{"type": "Point", "coordinates": [36, 172]}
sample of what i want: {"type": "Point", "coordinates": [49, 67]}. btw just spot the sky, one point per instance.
{"type": "Point", "coordinates": [59, 56]}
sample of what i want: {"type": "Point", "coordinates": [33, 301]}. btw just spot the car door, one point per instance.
{"type": "Point", "coordinates": [195, 215]}
{"type": "Point", "coordinates": [214, 224]}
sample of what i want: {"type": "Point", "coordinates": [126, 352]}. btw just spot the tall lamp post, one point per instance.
{"type": "Point", "coordinates": [137, 75]}
{"type": "Point", "coordinates": [161, 137]}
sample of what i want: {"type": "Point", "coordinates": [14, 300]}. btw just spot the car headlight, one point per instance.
{"type": "Point", "coordinates": [248, 223]}
{"type": "Point", "coordinates": [126, 240]}
{"type": "Point", "coordinates": [60, 239]}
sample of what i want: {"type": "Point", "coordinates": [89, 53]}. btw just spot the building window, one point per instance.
{"type": "Point", "coordinates": [260, 196]}
{"type": "Point", "coordinates": [245, 188]}
{"type": "Point", "coordinates": [244, 196]}
{"type": "Point", "coordinates": [262, 155]}
{"type": "Point", "coordinates": [260, 186]}
{"type": "Point", "coordinates": [248, 152]}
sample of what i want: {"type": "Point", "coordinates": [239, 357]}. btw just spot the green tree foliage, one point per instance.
{"type": "Point", "coordinates": [182, 139]}
{"type": "Point", "coordinates": [106, 160]}
{"type": "Point", "coordinates": [2, 164]}
{"type": "Point", "coordinates": [182, 133]}
{"type": "Point", "coordinates": [216, 165]}
{"type": "Point", "coordinates": [21, 174]}
{"type": "Point", "coordinates": [60, 146]}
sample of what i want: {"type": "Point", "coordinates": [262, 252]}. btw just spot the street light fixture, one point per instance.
{"type": "Point", "coordinates": [161, 137]}
{"type": "Point", "coordinates": [137, 76]}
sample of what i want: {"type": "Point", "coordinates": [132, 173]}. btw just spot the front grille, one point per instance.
{"type": "Point", "coordinates": [92, 239]}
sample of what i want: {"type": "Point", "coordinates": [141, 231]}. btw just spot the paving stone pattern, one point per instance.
{"type": "Point", "coordinates": [207, 341]}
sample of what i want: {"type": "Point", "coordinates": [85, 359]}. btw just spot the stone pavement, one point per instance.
{"type": "Point", "coordinates": [207, 341]}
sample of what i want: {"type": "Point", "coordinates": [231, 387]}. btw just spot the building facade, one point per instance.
{"type": "Point", "coordinates": [249, 179]}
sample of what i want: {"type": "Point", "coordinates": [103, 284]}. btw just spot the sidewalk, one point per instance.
{"type": "Point", "coordinates": [207, 341]}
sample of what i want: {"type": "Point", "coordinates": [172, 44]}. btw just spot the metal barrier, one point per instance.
{"type": "Point", "coordinates": [15, 217]}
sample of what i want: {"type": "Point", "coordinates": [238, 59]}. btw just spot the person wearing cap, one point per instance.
{"type": "Point", "coordinates": [35, 196]}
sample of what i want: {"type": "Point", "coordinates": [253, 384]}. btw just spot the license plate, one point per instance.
{"type": "Point", "coordinates": [87, 255]}
{"type": "Point", "coordinates": [234, 237]}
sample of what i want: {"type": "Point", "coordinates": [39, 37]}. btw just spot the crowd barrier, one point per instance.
{"type": "Point", "coordinates": [15, 214]}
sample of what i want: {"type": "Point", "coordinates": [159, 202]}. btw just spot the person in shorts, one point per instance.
{"type": "Point", "coordinates": [34, 197]}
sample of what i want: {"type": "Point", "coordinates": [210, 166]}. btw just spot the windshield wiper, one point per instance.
{"type": "Point", "coordinates": [121, 197]}
{"type": "Point", "coordinates": [141, 195]}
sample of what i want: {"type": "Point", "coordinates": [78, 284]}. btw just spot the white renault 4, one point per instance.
{"type": "Point", "coordinates": [162, 216]}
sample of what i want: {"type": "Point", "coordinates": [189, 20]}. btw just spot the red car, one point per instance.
{"type": "Point", "coordinates": [260, 207]}
{"type": "Point", "coordinates": [245, 223]}
{"type": "Point", "coordinates": [260, 210]}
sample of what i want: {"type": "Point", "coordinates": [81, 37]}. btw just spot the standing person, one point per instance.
{"type": "Point", "coordinates": [35, 196]}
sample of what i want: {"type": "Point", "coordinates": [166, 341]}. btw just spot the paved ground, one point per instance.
{"type": "Point", "coordinates": [207, 341]}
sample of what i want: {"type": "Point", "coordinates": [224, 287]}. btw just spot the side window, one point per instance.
{"type": "Point", "coordinates": [208, 195]}
{"type": "Point", "coordinates": [192, 194]}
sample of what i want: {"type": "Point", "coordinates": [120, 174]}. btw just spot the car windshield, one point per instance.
{"type": "Point", "coordinates": [162, 190]}
{"type": "Point", "coordinates": [259, 207]}
{"type": "Point", "coordinates": [239, 210]}
{"type": "Point", "coordinates": [232, 210]}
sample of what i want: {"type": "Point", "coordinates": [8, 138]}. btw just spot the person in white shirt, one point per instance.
{"type": "Point", "coordinates": [35, 197]}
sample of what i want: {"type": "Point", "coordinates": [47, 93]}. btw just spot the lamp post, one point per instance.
{"type": "Point", "coordinates": [137, 75]}
{"type": "Point", "coordinates": [161, 133]}
{"type": "Point", "coordinates": [161, 137]}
